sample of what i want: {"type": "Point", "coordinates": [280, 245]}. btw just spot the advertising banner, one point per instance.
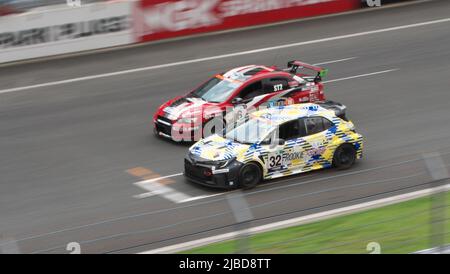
{"type": "Point", "coordinates": [65, 29]}
{"type": "Point", "coordinates": [160, 19]}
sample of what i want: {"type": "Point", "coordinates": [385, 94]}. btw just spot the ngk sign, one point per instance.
{"type": "Point", "coordinates": [181, 15]}
{"type": "Point", "coordinates": [159, 19]}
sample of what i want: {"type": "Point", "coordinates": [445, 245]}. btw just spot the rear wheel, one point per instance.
{"type": "Point", "coordinates": [250, 175]}
{"type": "Point", "coordinates": [344, 156]}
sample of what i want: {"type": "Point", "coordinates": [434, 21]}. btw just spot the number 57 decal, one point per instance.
{"type": "Point", "coordinates": [278, 87]}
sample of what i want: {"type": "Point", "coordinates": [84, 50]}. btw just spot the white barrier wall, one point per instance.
{"type": "Point", "coordinates": [65, 29]}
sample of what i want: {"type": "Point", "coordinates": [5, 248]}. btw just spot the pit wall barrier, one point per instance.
{"type": "Point", "coordinates": [62, 29]}
{"type": "Point", "coordinates": [70, 28]}
{"type": "Point", "coordinates": [162, 19]}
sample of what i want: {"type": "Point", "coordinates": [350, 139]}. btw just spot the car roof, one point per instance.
{"type": "Point", "coordinates": [246, 73]}
{"type": "Point", "coordinates": [280, 114]}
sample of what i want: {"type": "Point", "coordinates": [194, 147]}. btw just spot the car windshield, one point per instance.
{"type": "Point", "coordinates": [250, 132]}
{"type": "Point", "coordinates": [216, 90]}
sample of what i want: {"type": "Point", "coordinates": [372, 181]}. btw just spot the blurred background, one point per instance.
{"type": "Point", "coordinates": [82, 172]}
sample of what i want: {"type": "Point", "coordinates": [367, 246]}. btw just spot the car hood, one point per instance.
{"type": "Point", "coordinates": [187, 107]}
{"type": "Point", "coordinates": [216, 148]}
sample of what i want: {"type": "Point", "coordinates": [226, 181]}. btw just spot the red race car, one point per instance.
{"type": "Point", "coordinates": [224, 98]}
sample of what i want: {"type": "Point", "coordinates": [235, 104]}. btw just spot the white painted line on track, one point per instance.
{"type": "Point", "coordinates": [154, 188]}
{"type": "Point", "coordinates": [214, 33]}
{"type": "Point", "coordinates": [335, 61]}
{"type": "Point", "coordinates": [435, 250]}
{"type": "Point", "coordinates": [104, 75]}
{"type": "Point", "coordinates": [186, 62]}
{"type": "Point", "coordinates": [160, 178]}
{"type": "Point", "coordinates": [144, 195]}
{"type": "Point", "coordinates": [360, 76]}
{"type": "Point", "coordinates": [8, 246]}
{"type": "Point", "coordinates": [195, 198]}
{"type": "Point", "coordinates": [203, 197]}
{"type": "Point", "coordinates": [300, 220]}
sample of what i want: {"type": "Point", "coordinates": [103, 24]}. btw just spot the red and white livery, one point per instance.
{"type": "Point", "coordinates": [229, 94]}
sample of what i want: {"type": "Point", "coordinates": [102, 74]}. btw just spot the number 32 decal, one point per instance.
{"type": "Point", "coordinates": [274, 160]}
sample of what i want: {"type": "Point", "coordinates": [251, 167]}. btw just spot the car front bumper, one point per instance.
{"type": "Point", "coordinates": [166, 128]}
{"type": "Point", "coordinates": [197, 171]}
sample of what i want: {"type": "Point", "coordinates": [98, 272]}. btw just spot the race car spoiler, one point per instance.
{"type": "Point", "coordinates": [295, 65]}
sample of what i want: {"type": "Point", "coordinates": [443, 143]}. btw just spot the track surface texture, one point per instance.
{"type": "Point", "coordinates": [65, 149]}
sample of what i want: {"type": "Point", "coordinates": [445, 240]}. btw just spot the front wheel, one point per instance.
{"type": "Point", "coordinates": [249, 176]}
{"type": "Point", "coordinates": [344, 156]}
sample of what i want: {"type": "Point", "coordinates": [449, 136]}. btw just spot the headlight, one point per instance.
{"type": "Point", "coordinates": [188, 120]}
{"type": "Point", "coordinates": [224, 163]}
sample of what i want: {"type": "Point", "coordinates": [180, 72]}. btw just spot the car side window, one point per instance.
{"type": "Point", "coordinates": [276, 84]}
{"type": "Point", "coordinates": [290, 130]}
{"type": "Point", "coordinates": [302, 128]}
{"type": "Point", "coordinates": [314, 125]}
{"type": "Point", "coordinates": [251, 91]}
{"type": "Point", "coordinates": [327, 123]}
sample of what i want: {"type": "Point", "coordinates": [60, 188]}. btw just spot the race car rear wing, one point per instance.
{"type": "Point", "coordinates": [295, 65]}
{"type": "Point", "coordinates": [338, 108]}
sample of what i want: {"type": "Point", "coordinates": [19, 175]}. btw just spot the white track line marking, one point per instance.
{"type": "Point", "coordinates": [335, 61]}
{"type": "Point", "coordinates": [301, 220]}
{"type": "Point", "coordinates": [68, 81]}
{"type": "Point", "coordinates": [154, 188]}
{"type": "Point", "coordinates": [360, 76]}
{"type": "Point", "coordinates": [160, 178]}
{"type": "Point", "coordinates": [203, 197]}
{"type": "Point", "coordinates": [144, 195]}
{"type": "Point", "coordinates": [328, 39]}
{"type": "Point", "coordinates": [435, 250]}
{"type": "Point", "coordinates": [195, 198]}
{"type": "Point", "coordinates": [8, 246]}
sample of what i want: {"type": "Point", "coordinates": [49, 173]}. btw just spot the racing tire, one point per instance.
{"type": "Point", "coordinates": [250, 175]}
{"type": "Point", "coordinates": [344, 156]}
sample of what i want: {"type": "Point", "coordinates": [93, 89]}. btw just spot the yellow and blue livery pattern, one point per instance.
{"type": "Point", "coordinates": [297, 155]}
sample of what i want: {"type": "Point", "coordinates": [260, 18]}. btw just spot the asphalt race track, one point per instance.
{"type": "Point", "coordinates": [71, 153]}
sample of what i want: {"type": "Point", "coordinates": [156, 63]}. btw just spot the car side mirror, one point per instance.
{"type": "Point", "coordinates": [236, 101]}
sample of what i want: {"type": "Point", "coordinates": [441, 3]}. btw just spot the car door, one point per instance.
{"type": "Point", "coordinates": [246, 98]}
{"type": "Point", "coordinates": [259, 93]}
{"type": "Point", "coordinates": [285, 158]}
{"type": "Point", "coordinates": [315, 143]}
